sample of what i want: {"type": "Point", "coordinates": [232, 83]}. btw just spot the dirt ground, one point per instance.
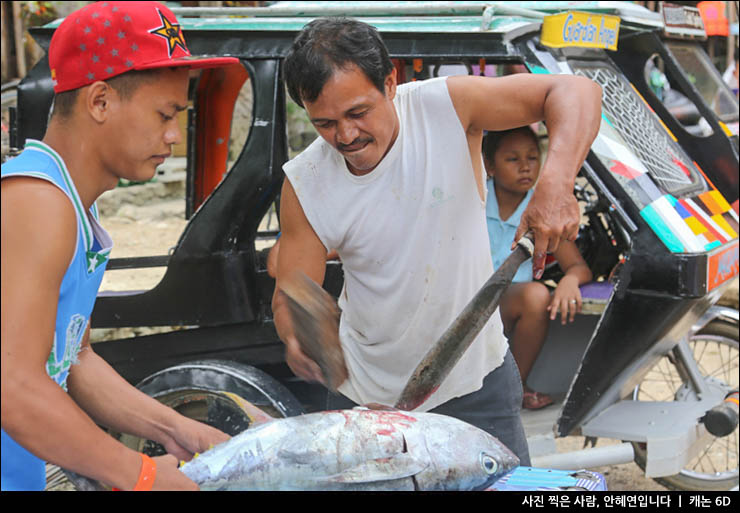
{"type": "Point", "coordinates": [148, 220]}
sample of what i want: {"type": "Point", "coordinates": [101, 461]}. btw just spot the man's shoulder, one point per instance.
{"type": "Point", "coordinates": [39, 216]}
{"type": "Point", "coordinates": [318, 153]}
{"type": "Point", "coordinates": [422, 86]}
{"type": "Point", "coordinates": [36, 160]}
{"type": "Point", "coordinates": [412, 98]}
{"type": "Point", "coordinates": [29, 195]}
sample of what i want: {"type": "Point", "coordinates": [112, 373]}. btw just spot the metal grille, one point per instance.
{"type": "Point", "coordinates": [664, 159]}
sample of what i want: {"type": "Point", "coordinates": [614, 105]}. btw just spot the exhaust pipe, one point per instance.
{"type": "Point", "coordinates": [587, 458]}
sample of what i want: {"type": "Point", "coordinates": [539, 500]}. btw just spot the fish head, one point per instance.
{"type": "Point", "coordinates": [461, 456]}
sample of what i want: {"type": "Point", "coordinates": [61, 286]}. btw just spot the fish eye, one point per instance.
{"type": "Point", "coordinates": [489, 464]}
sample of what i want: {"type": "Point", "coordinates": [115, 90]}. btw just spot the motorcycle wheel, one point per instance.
{"type": "Point", "coordinates": [715, 348]}
{"type": "Point", "coordinates": [210, 391]}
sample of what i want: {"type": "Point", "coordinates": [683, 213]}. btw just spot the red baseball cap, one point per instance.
{"type": "Point", "coordinates": [105, 39]}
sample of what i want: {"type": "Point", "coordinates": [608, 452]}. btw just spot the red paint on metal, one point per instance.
{"type": "Point", "coordinates": [623, 169]}
{"type": "Point", "coordinates": [682, 166]}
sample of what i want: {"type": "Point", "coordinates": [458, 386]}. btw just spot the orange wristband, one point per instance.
{"type": "Point", "coordinates": [146, 476]}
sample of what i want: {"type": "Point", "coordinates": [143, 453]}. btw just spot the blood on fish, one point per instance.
{"type": "Point", "coordinates": [389, 416]}
{"type": "Point", "coordinates": [389, 419]}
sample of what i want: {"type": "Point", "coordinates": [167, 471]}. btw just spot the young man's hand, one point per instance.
{"type": "Point", "coordinates": [190, 437]}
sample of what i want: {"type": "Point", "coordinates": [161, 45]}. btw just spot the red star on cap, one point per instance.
{"type": "Point", "coordinates": [171, 32]}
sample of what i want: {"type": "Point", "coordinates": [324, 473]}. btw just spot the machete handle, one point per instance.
{"type": "Point", "coordinates": [527, 242]}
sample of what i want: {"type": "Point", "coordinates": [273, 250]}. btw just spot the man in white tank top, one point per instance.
{"type": "Point", "coordinates": [395, 184]}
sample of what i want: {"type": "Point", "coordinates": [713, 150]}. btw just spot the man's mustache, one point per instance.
{"type": "Point", "coordinates": [354, 144]}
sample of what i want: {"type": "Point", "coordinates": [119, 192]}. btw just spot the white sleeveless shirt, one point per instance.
{"type": "Point", "coordinates": [414, 247]}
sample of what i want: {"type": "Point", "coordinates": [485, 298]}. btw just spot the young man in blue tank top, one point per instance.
{"type": "Point", "coordinates": [340, 72]}
{"type": "Point", "coordinates": [120, 72]}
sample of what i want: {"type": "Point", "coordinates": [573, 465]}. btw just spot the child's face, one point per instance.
{"type": "Point", "coordinates": [516, 163]}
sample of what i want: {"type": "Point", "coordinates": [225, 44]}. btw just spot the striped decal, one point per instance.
{"type": "Point", "coordinates": [713, 245]}
{"type": "Point", "coordinates": [684, 226]}
{"type": "Point", "coordinates": [663, 231]}
{"type": "Point", "coordinates": [732, 220]}
{"type": "Point", "coordinates": [720, 201]}
{"type": "Point", "coordinates": [695, 225]}
{"type": "Point", "coordinates": [702, 233]}
{"type": "Point", "coordinates": [720, 211]}
{"type": "Point", "coordinates": [538, 70]}
{"type": "Point", "coordinates": [681, 210]}
{"type": "Point", "coordinates": [700, 215]}
{"type": "Point", "coordinates": [720, 220]}
{"type": "Point", "coordinates": [667, 209]}
{"type": "Point", "coordinates": [645, 188]}
{"type": "Point", "coordinates": [733, 214]}
{"type": "Point", "coordinates": [711, 203]}
{"type": "Point", "coordinates": [624, 170]}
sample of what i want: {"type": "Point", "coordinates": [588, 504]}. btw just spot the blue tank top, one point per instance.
{"type": "Point", "coordinates": [21, 470]}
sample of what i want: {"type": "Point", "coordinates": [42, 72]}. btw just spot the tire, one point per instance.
{"type": "Point", "coordinates": [202, 390]}
{"type": "Point", "coordinates": [716, 468]}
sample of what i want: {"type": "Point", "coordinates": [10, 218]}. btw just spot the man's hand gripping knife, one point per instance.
{"type": "Point", "coordinates": [315, 319]}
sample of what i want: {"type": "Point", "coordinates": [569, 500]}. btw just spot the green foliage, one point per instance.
{"type": "Point", "coordinates": [35, 14]}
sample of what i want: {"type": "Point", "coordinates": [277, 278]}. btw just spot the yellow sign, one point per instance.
{"type": "Point", "coordinates": [580, 29]}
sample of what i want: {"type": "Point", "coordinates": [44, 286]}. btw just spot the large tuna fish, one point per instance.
{"type": "Point", "coordinates": [359, 449]}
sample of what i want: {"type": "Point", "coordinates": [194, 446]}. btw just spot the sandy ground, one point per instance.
{"type": "Point", "coordinates": [146, 221]}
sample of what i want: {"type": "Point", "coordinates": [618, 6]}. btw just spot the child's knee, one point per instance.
{"type": "Point", "coordinates": [536, 296]}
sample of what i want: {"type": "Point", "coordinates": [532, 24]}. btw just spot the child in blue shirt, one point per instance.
{"type": "Point", "coordinates": [512, 162]}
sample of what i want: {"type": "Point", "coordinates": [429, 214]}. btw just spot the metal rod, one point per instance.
{"type": "Point", "coordinates": [137, 262]}
{"type": "Point", "coordinates": [329, 10]}
{"type": "Point", "coordinates": [369, 9]}
{"type": "Point", "coordinates": [587, 458]}
{"type": "Point", "coordinates": [514, 11]}
{"type": "Point", "coordinates": [687, 363]}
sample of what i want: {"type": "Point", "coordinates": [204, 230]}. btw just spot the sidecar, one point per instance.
{"type": "Point", "coordinates": [659, 232]}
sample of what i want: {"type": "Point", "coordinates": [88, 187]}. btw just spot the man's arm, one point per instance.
{"type": "Point", "coordinates": [300, 250]}
{"type": "Point", "coordinates": [38, 241]}
{"type": "Point", "coordinates": [112, 402]}
{"type": "Point", "coordinates": [571, 108]}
